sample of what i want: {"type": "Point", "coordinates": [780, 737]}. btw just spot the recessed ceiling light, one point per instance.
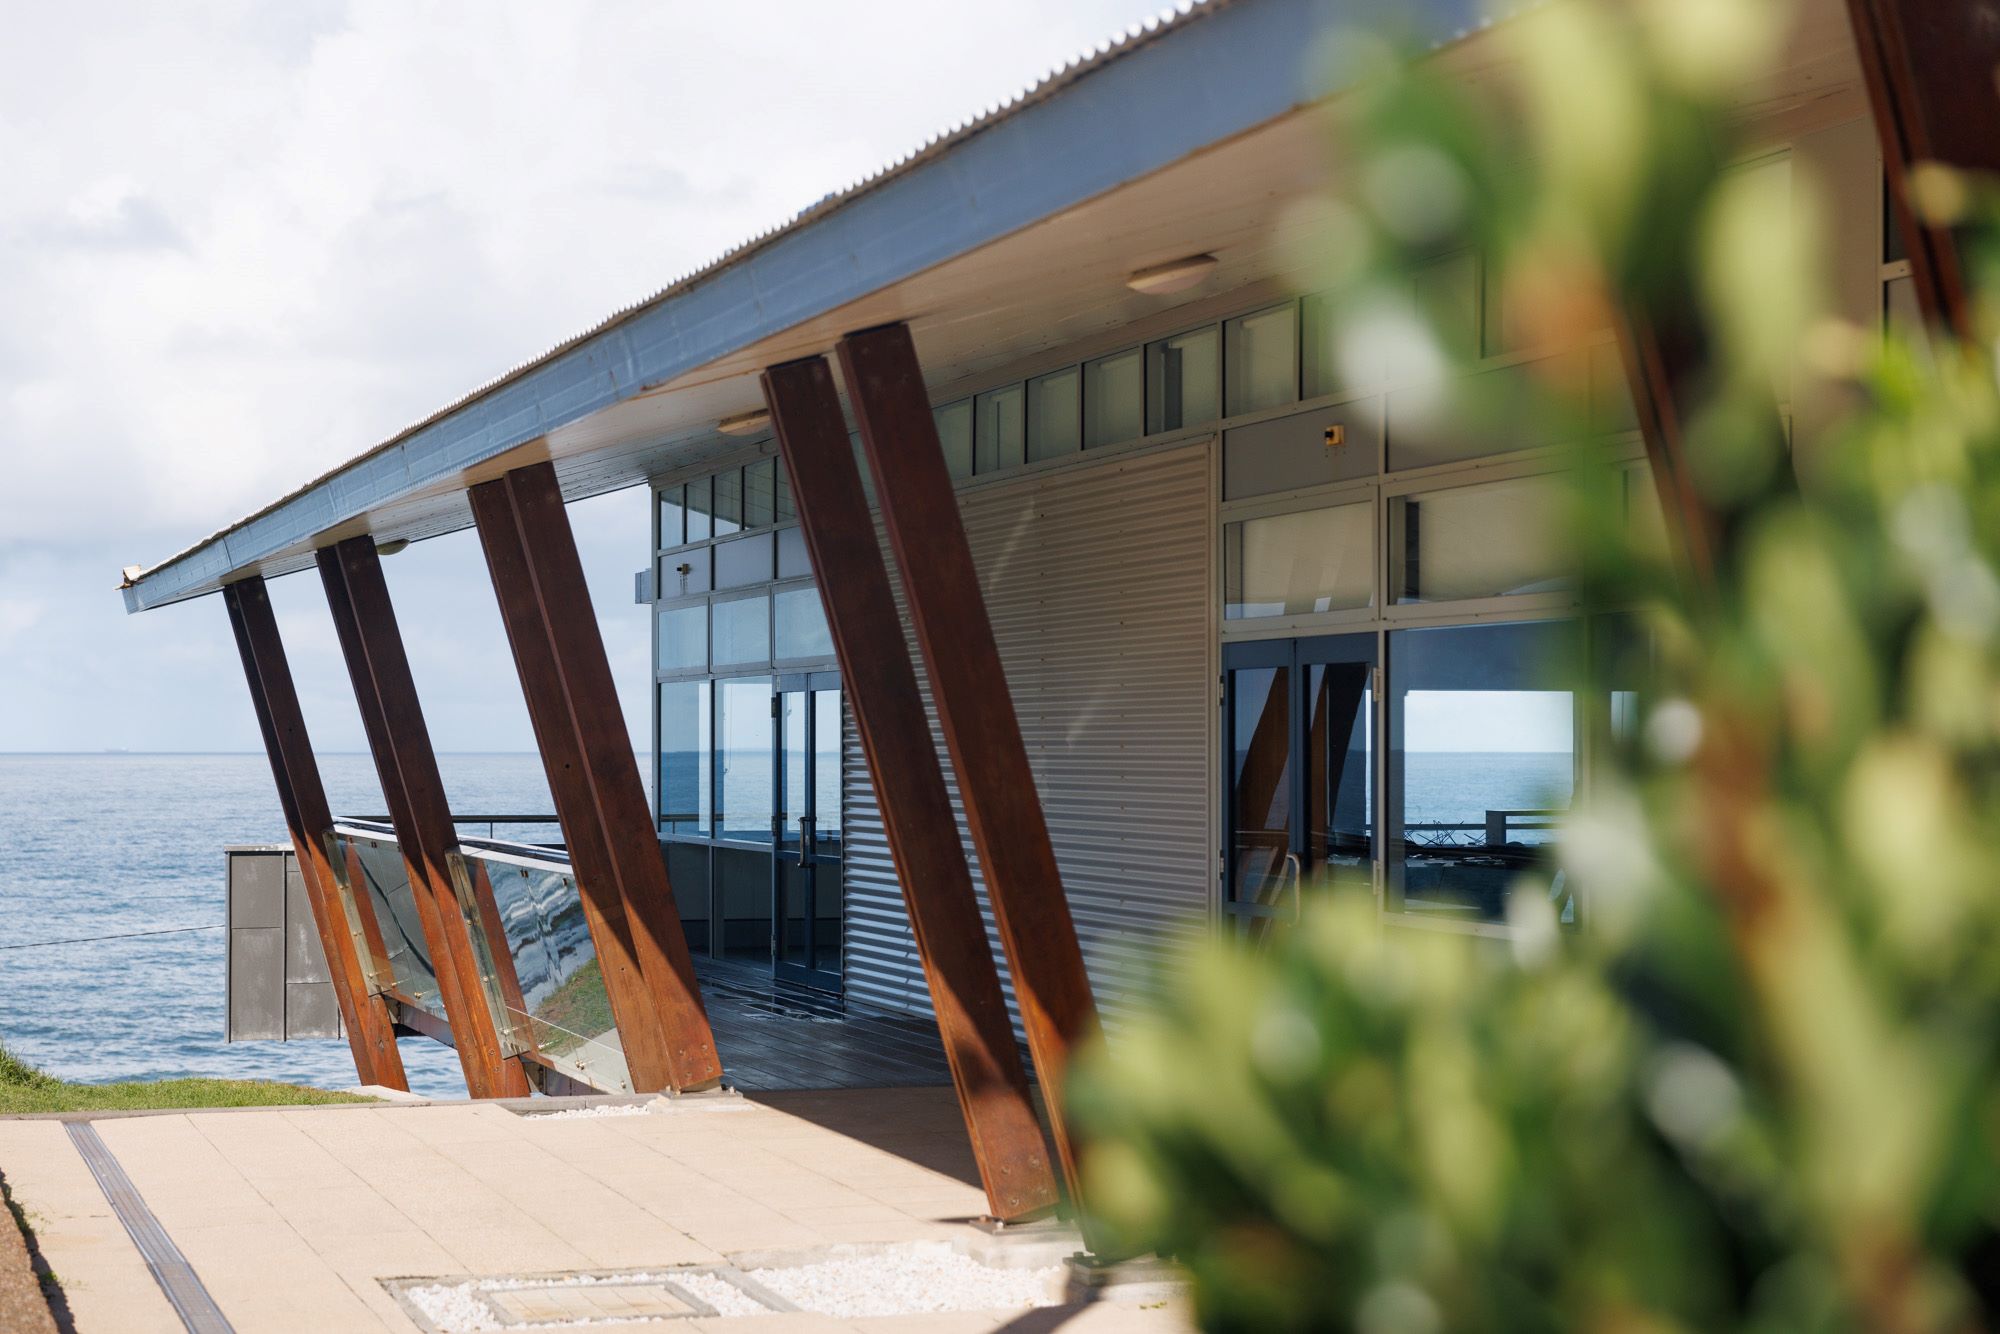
{"type": "Point", "coordinates": [1174, 276]}
{"type": "Point", "coordinates": [744, 423]}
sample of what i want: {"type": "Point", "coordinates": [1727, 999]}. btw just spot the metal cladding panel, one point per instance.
{"type": "Point", "coordinates": [1097, 581]}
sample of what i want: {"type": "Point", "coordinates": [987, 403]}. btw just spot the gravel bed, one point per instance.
{"type": "Point", "coordinates": [916, 1279]}
{"type": "Point", "coordinates": [909, 1280]}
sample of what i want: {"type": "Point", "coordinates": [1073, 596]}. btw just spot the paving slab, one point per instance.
{"type": "Point", "coordinates": [292, 1218]}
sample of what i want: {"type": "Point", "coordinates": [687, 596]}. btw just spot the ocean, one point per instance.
{"type": "Point", "coordinates": [97, 849]}
{"type": "Point", "coordinates": [96, 846]}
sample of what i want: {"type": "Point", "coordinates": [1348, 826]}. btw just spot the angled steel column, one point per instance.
{"type": "Point", "coordinates": [394, 721]}
{"type": "Point", "coordinates": [600, 798]}
{"type": "Point", "coordinates": [1003, 810]}
{"type": "Point", "coordinates": [881, 688]}
{"type": "Point", "coordinates": [371, 1029]}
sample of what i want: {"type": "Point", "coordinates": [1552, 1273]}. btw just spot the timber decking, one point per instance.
{"type": "Point", "coordinates": [775, 1035]}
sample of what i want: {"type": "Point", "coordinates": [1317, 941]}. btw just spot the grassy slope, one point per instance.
{"type": "Point", "coordinates": [26, 1089]}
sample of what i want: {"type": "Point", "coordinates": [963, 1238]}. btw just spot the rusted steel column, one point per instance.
{"type": "Point", "coordinates": [920, 510]}
{"type": "Point", "coordinates": [1664, 354]}
{"type": "Point", "coordinates": [1930, 70]}
{"type": "Point", "coordinates": [371, 1029]}
{"type": "Point", "coordinates": [881, 688]}
{"type": "Point", "coordinates": [393, 718]}
{"type": "Point", "coordinates": [600, 799]}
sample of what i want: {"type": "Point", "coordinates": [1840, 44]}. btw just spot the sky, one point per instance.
{"type": "Point", "coordinates": [241, 243]}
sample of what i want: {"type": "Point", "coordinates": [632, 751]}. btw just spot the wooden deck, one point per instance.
{"type": "Point", "coordinates": [773, 1035]}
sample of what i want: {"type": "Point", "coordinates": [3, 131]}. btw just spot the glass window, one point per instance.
{"type": "Point", "coordinates": [728, 502]}
{"type": "Point", "coordinates": [673, 516]}
{"type": "Point", "coordinates": [1054, 427]}
{"type": "Point", "coordinates": [954, 426]}
{"type": "Point", "coordinates": [685, 800]}
{"type": "Point", "coordinates": [683, 573]}
{"type": "Point", "coordinates": [1261, 359]}
{"type": "Point", "coordinates": [1114, 399]}
{"type": "Point", "coordinates": [1482, 762]}
{"type": "Point", "coordinates": [801, 623]}
{"type": "Point", "coordinates": [743, 760]}
{"type": "Point", "coordinates": [1183, 381]}
{"type": "Point", "coordinates": [1494, 539]}
{"type": "Point", "coordinates": [683, 635]}
{"type": "Point", "coordinates": [747, 560]}
{"type": "Point", "coordinates": [1612, 411]}
{"type": "Point", "coordinates": [1492, 412]}
{"type": "Point", "coordinates": [1260, 783]}
{"type": "Point", "coordinates": [999, 429]}
{"type": "Point", "coordinates": [700, 510]}
{"type": "Point", "coordinates": [1447, 292]}
{"type": "Point", "coordinates": [783, 507]}
{"type": "Point", "coordinates": [794, 561]}
{"type": "Point", "coordinates": [1319, 353]}
{"type": "Point", "coordinates": [1296, 564]}
{"type": "Point", "coordinates": [760, 493]}
{"type": "Point", "coordinates": [742, 631]}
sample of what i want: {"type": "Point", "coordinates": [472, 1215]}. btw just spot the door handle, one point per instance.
{"type": "Point", "coordinates": [808, 832]}
{"type": "Point", "coordinates": [1297, 868]}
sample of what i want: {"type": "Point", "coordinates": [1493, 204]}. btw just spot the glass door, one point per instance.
{"type": "Point", "coordinates": [1299, 803]}
{"type": "Point", "coordinates": [806, 891]}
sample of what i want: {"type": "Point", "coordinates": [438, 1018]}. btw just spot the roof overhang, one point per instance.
{"type": "Point", "coordinates": [1008, 238]}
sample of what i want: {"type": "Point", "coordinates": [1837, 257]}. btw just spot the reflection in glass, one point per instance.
{"type": "Point", "coordinates": [1319, 348]}
{"type": "Point", "coordinates": [743, 894]}
{"type": "Point", "coordinates": [954, 425]}
{"type": "Point", "coordinates": [683, 638]}
{"type": "Point", "coordinates": [1340, 828]}
{"type": "Point", "coordinates": [801, 624]}
{"type": "Point", "coordinates": [741, 631]}
{"type": "Point", "coordinates": [685, 805]}
{"type": "Point", "coordinates": [794, 562]}
{"type": "Point", "coordinates": [743, 762]}
{"type": "Point", "coordinates": [1260, 785]}
{"type": "Point", "coordinates": [1301, 563]}
{"type": "Point", "coordinates": [673, 520]}
{"type": "Point", "coordinates": [747, 560]}
{"type": "Point", "coordinates": [999, 429]}
{"type": "Point", "coordinates": [1481, 764]}
{"type": "Point", "coordinates": [1114, 399]}
{"type": "Point", "coordinates": [404, 960]}
{"type": "Point", "coordinates": [700, 510]}
{"type": "Point", "coordinates": [1184, 380]}
{"type": "Point", "coordinates": [728, 502]}
{"type": "Point", "coordinates": [1447, 294]}
{"type": "Point", "coordinates": [1261, 357]}
{"type": "Point", "coordinates": [1054, 428]}
{"type": "Point", "coordinates": [551, 996]}
{"type": "Point", "coordinates": [760, 493]}
{"type": "Point", "coordinates": [783, 508]}
{"type": "Point", "coordinates": [1495, 539]}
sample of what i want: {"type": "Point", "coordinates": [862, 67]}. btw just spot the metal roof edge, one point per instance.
{"type": "Point", "coordinates": [1123, 110]}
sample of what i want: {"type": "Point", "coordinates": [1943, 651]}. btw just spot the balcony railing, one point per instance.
{"type": "Point", "coordinates": [531, 943]}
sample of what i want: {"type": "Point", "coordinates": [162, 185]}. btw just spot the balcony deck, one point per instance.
{"type": "Point", "coordinates": [774, 1035]}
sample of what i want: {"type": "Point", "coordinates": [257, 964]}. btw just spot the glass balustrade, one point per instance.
{"type": "Point", "coordinates": [400, 961]}
{"type": "Point", "coordinates": [546, 987]}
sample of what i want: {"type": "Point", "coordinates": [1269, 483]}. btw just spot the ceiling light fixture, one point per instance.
{"type": "Point", "coordinates": [1174, 276]}
{"type": "Point", "coordinates": [744, 423]}
{"type": "Point", "coordinates": [393, 547]}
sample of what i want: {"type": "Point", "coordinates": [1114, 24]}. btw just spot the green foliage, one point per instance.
{"type": "Point", "coordinates": [1761, 1089]}
{"type": "Point", "coordinates": [24, 1089]}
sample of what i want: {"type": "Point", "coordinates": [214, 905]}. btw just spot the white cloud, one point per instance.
{"type": "Point", "coordinates": [241, 242]}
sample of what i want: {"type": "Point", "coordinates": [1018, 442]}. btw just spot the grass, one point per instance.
{"type": "Point", "coordinates": [23, 1088]}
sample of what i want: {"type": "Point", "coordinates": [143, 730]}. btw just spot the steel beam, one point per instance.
{"type": "Point", "coordinates": [599, 796]}
{"type": "Point", "coordinates": [1930, 70]}
{"type": "Point", "coordinates": [393, 718]}
{"type": "Point", "coordinates": [881, 687]}
{"type": "Point", "coordinates": [1002, 809]}
{"type": "Point", "coordinates": [370, 1025]}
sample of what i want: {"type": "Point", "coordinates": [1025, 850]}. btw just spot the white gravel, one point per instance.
{"type": "Point", "coordinates": [592, 1113]}
{"type": "Point", "coordinates": [909, 1280]}
{"type": "Point", "coordinates": [900, 1280]}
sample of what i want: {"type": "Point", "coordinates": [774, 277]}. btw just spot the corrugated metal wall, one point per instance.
{"type": "Point", "coordinates": [1097, 579]}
